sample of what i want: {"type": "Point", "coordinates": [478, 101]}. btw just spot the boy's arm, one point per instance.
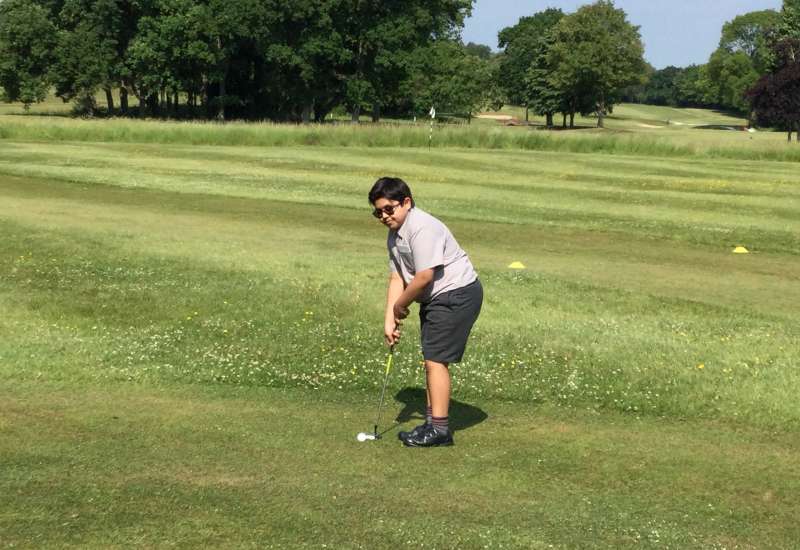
{"type": "Point", "coordinates": [417, 285]}
{"type": "Point", "coordinates": [394, 290]}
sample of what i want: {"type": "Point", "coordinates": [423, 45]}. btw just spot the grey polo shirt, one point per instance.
{"type": "Point", "coordinates": [423, 242]}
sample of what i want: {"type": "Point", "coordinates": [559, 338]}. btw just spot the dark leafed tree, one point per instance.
{"type": "Point", "coordinates": [379, 36]}
{"type": "Point", "coordinates": [661, 88]}
{"type": "Point", "coordinates": [775, 98]}
{"type": "Point", "coordinates": [27, 41]}
{"type": "Point", "coordinates": [230, 28]}
{"type": "Point", "coordinates": [305, 53]}
{"type": "Point", "coordinates": [205, 48]}
{"type": "Point", "coordinates": [596, 53]}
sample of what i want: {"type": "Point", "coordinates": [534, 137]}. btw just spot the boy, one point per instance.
{"type": "Point", "coordinates": [427, 265]}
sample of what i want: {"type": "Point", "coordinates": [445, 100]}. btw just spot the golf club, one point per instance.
{"type": "Point", "coordinates": [363, 436]}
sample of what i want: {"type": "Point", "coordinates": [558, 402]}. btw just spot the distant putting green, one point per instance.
{"type": "Point", "coordinates": [197, 327]}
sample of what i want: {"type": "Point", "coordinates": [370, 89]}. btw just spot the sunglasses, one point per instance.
{"type": "Point", "coordinates": [388, 210]}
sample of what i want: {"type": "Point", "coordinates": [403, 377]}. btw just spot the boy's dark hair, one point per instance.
{"type": "Point", "coordinates": [393, 189]}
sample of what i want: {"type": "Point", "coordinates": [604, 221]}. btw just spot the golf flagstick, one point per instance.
{"type": "Point", "coordinates": [383, 391]}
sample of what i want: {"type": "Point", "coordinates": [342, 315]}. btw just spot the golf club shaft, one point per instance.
{"type": "Point", "coordinates": [383, 391]}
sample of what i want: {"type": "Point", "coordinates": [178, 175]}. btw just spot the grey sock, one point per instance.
{"type": "Point", "coordinates": [429, 415]}
{"type": "Point", "coordinates": [441, 424]}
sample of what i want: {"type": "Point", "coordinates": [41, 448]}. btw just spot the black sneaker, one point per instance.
{"type": "Point", "coordinates": [402, 436]}
{"type": "Point", "coordinates": [429, 437]}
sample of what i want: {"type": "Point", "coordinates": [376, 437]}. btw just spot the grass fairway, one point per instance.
{"type": "Point", "coordinates": [187, 466]}
{"type": "Point", "coordinates": [191, 341]}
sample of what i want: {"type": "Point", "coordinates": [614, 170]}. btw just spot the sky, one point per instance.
{"type": "Point", "coordinates": [674, 32]}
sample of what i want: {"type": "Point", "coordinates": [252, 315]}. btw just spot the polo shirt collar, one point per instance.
{"type": "Point", "coordinates": [403, 231]}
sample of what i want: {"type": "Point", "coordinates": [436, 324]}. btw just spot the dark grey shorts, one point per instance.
{"type": "Point", "coordinates": [447, 320]}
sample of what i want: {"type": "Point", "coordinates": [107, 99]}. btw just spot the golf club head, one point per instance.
{"type": "Point", "coordinates": [374, 436]}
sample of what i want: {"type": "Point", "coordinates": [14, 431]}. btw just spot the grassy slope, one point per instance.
{"type": "Point", "coordinates": [178, 265]}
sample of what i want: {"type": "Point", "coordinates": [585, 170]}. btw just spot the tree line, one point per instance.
{"type": "Point", "coordinates": [298, 60]}
{"type": "Point", "coordinates": [254, 59]}
{"type": "Point", "coordinates": [588, 61]}
{"type": "Point", "coordinates": [743, 55]}
{"type": "Point", "coordinates": [753, 72]}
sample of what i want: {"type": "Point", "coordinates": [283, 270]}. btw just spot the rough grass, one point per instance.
{"type": "Point", "coordinates": [631, 129]}
{"type": "Point", "coordinates": [625, 140]}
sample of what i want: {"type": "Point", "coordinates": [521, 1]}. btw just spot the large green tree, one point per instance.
{"type": "Point", "coordinates": [87, 55]}
{"type": "Point", "coordinates": [540, 94]}
{"type": "Point", "coordinates": [789, 26]}
{"type": "Point", "coordinates": [27, 42]}
{"type": "Point", "coordinates": [743, 55]}
{"type": "Point", "coordinates": [595, 53]}
{"type": "Point", "coordinates": [750, 34]}
{"type": "Point", "coordinates": [522, 46]}
{"type": "Point", "coordinates": [446, 76]}
{"type": "Point", "coordinates": [159, 53]}
{"type": "Point", "coordinates": [729, 75]}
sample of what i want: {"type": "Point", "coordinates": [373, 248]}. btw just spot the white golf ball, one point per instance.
{"type": "Point", "coordinates": [361, 436]}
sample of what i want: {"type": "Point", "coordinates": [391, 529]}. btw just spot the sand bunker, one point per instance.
{"type": "Point", "coordinates": [495, 117]}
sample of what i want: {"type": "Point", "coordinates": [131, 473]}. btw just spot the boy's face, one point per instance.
{"type": "Point", "coordinates": [392, 213]}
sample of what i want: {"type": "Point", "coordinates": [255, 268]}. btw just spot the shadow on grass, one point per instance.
{"type": "Point", "coordinates": [462, 415]}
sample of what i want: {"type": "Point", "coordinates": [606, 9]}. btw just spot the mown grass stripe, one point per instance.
{"type": "Point", "coordinates": [755, 218]}
{"type": "Point", "coordinates": [586, 328]}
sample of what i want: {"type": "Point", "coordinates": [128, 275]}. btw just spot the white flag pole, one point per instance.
{"type": "Point", "coordinates": [432, 112]}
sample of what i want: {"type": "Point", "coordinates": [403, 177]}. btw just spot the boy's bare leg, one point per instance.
{"type": "Point", "coordinates": [438, 382]}
{"type": "Point", "coordinates": [436, 430]}
{"type": "Point", "coordinates": [427, 394]}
